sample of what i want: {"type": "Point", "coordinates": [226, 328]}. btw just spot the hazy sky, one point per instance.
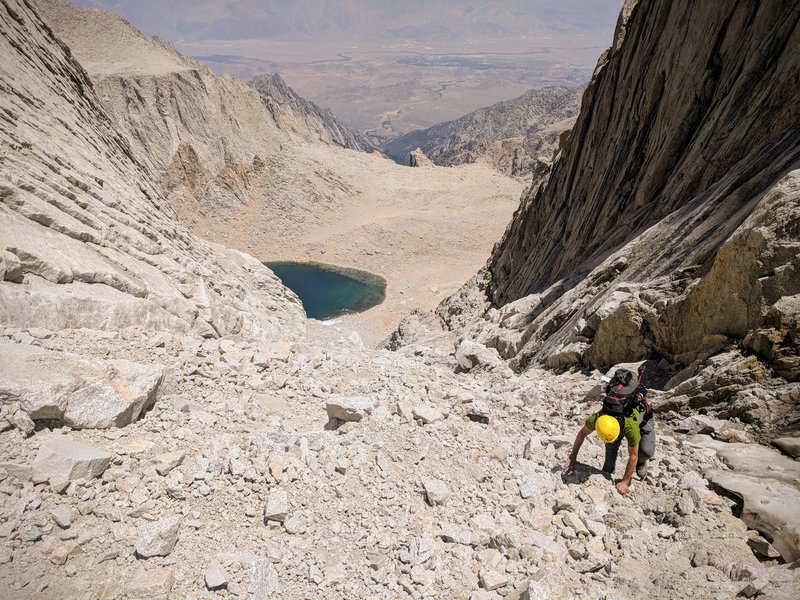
{"type": "Point", "coordinates": [362, 20]}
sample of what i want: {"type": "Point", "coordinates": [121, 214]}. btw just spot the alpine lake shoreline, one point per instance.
{"type": "Point", "coordinates": [330, 291]}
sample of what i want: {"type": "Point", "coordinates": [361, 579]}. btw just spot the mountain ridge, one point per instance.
{"type": "Point", "coordinates": [274, 90]}
{"type": "Point", "coordinates": [511, 134]}
{"type": "Point", "coordinates": [113, 51]}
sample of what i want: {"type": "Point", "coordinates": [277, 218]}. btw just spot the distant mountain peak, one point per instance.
{"type": "Point", "coordinates": [511, 134]}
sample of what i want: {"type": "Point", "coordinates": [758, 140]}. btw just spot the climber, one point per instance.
{"type": "Point", "coordinates": [627, 414]}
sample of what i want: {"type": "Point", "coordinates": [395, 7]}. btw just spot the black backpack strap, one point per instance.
{"type": "Point", "coordinates": [621, 421]}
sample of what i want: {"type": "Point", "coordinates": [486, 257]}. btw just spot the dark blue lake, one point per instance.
{"type": "Point", "coordinates": [328, 291]}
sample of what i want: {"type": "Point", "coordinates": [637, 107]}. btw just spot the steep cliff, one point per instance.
{"type": "Point", "coordinates": [86, 238]}
{"type": "Point", "coordinates": [168, 105]}
{"type": "Point", "coordinates": [284, 104]}
{"type": "Point", "coordinates": [511, 135]}
{"type": "Point", "coordinates": [669, 224]}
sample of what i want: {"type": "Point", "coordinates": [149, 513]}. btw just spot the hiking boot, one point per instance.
{"type": "Point", "coordinates": [641, 470]}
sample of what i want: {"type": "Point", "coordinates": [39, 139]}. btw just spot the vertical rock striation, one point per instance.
{"type": "Point", "coordinates": [695, 104]}
{"type": "Point", "coordinates": [670, 223]}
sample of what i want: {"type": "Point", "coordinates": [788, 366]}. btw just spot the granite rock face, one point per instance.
{"type": "Point", "coordinates": [85, 235]}
{"type": "Point", "coordinates": [626, 166]}
{"type": "Point", "coordinates": [769, 485]}
{"type": "Point", "coordinates": [656, 239]}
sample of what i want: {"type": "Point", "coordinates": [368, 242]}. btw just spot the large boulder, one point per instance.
{"type": "Point", "coordinates": [768, 484]}
{"type": "Point", "coordinates": [620, 335]}
{"type": "Point", "coordinates": [159, 537]}
{"type": "Point", "coordinates": [349, 408]}
{"type": "Point", "coordinates": [277, 508]}
{"type": "Point", "coordinates": [417, 158]}
{"type": "Point", "coordinates": [470, 355]}
{"type": "Point", "coordinates": [76, 391]}
{"type": "Point", "coordinates": [151, 584]}
{"type": "Point", "coordinates": [778, 343]}
{"type": "Point", "coordinates": [789, 444]}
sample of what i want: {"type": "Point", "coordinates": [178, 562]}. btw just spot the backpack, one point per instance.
{"type": "Point", "coordinates": [624, 393]}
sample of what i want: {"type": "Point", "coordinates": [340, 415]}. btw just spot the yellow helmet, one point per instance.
{"type": "Point", "coordinates": [607, 428]}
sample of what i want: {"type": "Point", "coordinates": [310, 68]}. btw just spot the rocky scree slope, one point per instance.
{"type": "Point", "coordinates": [86, 238]}
{"type": "Point", "coordinates": [214, 142]}
{"type": "Point", "coordinates": [513, 135]}
{"type": "Point", "coordinates": [316, 469]}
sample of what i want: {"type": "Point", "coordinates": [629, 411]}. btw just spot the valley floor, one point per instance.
{"type": "Point", "coordinates": [426, 230]}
